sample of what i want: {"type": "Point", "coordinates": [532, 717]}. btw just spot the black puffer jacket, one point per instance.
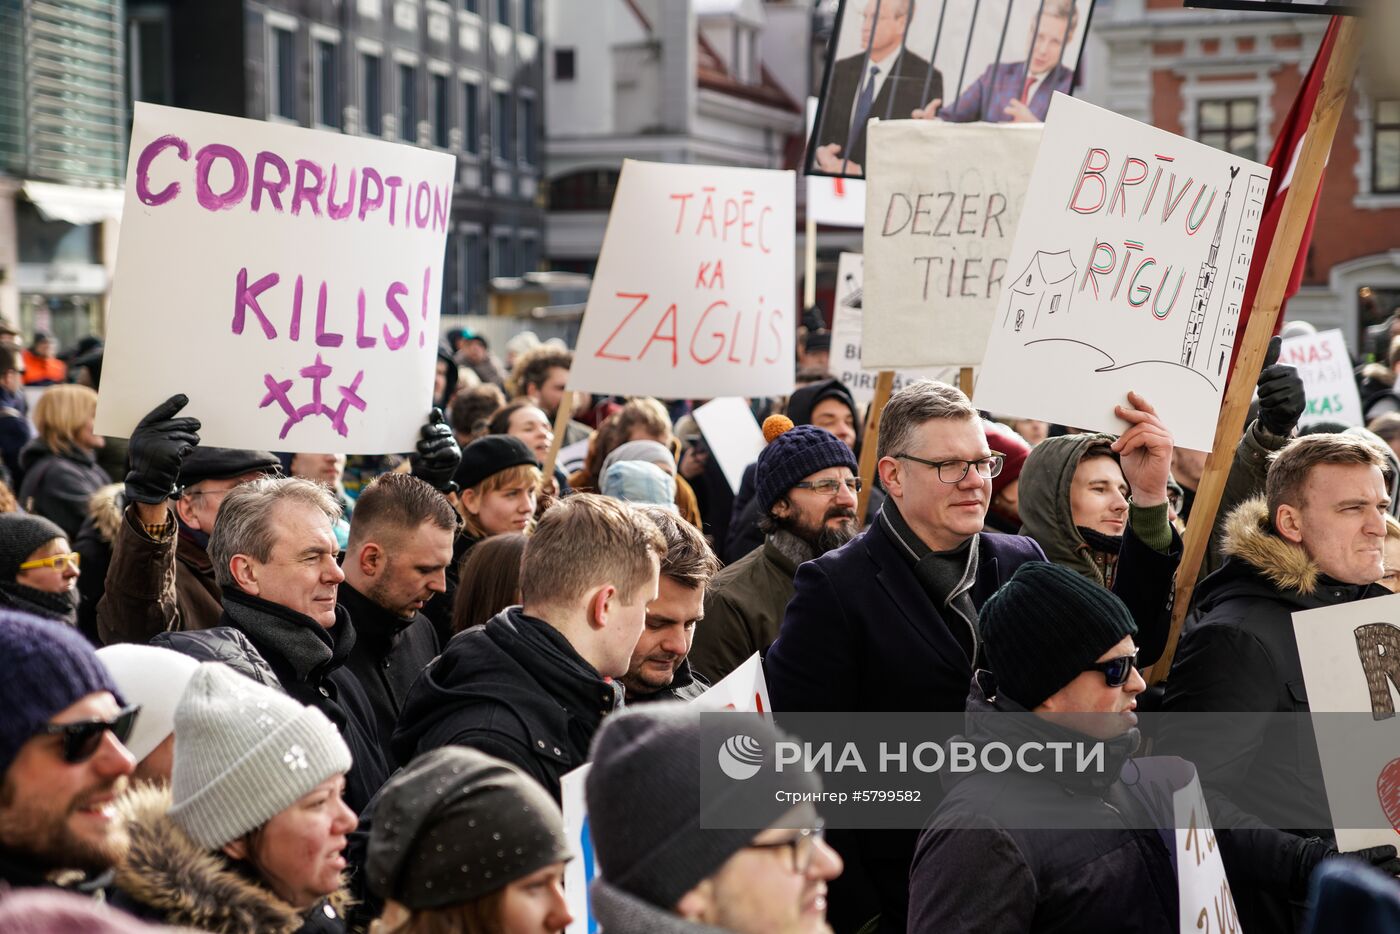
{"type": "Point", "coordinates": [222, 644]}
{"type": "Point", "coordinates": [1238, 655]}
{"type": "Point", "coordinates": [515, 689]}
{"type": "Point", "coordinates": [975, 871]}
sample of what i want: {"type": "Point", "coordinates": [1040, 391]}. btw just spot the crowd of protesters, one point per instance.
{"type": "Point", "coordinates": [290, 692]}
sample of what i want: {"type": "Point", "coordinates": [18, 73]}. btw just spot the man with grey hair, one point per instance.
{"type": "Point", "coordinates": [274, 555]}
{"type": "Point", "coordinates": [890, 620]}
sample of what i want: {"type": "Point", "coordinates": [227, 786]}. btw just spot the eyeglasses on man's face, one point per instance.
{"type": "Point", "coordinates": [803, 845]}
{"type": "Point", "coordinates": [82, 739]}
{"type": "Point", "coordinates": [1117, 671]}
{"type": "Point", "coordinates": [830, 485]}
{"type": "Point", "coordinates": [953, 471]}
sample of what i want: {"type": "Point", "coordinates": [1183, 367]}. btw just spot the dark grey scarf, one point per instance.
{"type": "Point", "coordinates": [59, 607]}
{"type": "Point", "coordinates": [291, 636]}
{"type": "Point", "coordinates": [946, 576]}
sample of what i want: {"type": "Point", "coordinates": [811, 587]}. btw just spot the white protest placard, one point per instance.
{"type": "Point", "coordinates": [743, 689]}
{"type": "Point", "coordinates": [1351, 664]}
{"type": "Point", "coordinates": [837, 202]}
{"type": "Point", "coordinates": [846, 323]}
{"type": "Point", "coordinates": [287, 280]}
{"type": "Point", "coordinates": [731, 434]}
{"type": "Point", "coordinates": [1325, 368]}
{"type": "Point", "coordinates": [1204, 897]}
{"type": "Point", "coordinates": [572, 456]}
{"type": "Point", "coordinates": [1126, 275]}
{"type": "Point", "coordinates": [693, 295]}
{"type": "Point", "coordinates": [938, 234]}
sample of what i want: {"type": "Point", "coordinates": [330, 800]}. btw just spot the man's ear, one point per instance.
{"type": "Point", "coordinates": [696, 904]}
{"type": "Point", "coordinates": [185, 511]}
{"type": "Point", "coordinates": [781, 507]}
{"type": "Point", "coordinates": [891, 473]}
{"type": "Point", "coordinates": [600, 605]}
{"type": "Point", "coordinates": [245, 573]}
{"type": "Point", "coordinates": [1288, 522]}
{"type": "Point", "coordinates": [372, 559]}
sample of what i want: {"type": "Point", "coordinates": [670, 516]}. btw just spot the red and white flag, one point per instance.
{"type": "Point", "coordinates": [1284, 160]}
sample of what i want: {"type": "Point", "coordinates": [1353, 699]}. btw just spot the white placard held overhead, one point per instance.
{"type": "Point", "coordinates": [1325, 367]}
{"type": "Point", "coordinates": [847, 317]}
{"type": "Point", "coordinates": [693, 296]}
{"type": "Point", "coordinates": [1126, 275]}
{"type": "Point", "coordinates": [732, 435]}
{"type": "Point", "coordinates": [287, 280]}
{"type": "Point", "coordinates": [938, 233]}
{"type": "Point", "coordinates": [1351, 664]}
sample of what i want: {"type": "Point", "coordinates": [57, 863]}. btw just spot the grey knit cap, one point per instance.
{"type": "Point", "coordinates": [244, 753]}
{"type": "Point", "coordinates": [457, 824]}
{"type": "Point", "coordinates": [644, 800]}
{"type": "Point", "coordinates": [22, 534]}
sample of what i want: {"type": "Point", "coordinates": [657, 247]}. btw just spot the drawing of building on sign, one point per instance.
{"type": "Point", "coordinates": [853, 297]}
{"type": "Point", "coordinates": [1205, 283]}
{"type": "Point", "coordinates": [1044, 286]}
{"type": "Point", "coordinates": [1227, 319]}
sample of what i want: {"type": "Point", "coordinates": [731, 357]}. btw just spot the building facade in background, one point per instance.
{"type": "Point", "coordinates": [464, 77]}
{"type": "Point", "coordinates": [63, 121]}
{"type": "Point", "coordinates": [714, 82]}
{"type": "Point", "coordinates": [1228, 79]}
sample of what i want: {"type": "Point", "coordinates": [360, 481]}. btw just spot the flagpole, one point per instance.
{"type": "Point", "coordinates": [1273, 286]}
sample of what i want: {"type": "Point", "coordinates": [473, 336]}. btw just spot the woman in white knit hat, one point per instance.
{"type": "Point", "coordinates": [250, 834]}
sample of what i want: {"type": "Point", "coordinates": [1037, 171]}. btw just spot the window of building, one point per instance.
{"type": "Point", "coordinates": [452, 277]}
{"type": "Point", "coordinates": [589, 190]}
{"type": "Point", "coordinates": [328, 84]}
{"type": "Point", "coordinates": [373, 103]}
{"type": "Point", "coordinates": [1385, 149]}
{"type": "Point", "coordinates": [502, 256]}
{"type": "Point", "coordinates": [503, 12]}
{"type": "Point", "coordinates": [471, 6]}
{"type": "Point", "coordinates": [501, 130]}
{"type": "Point", "coordinates": [408, 103]}
{"type": "Point", "coordinates": [284, 73]}
{"type": "Point", "coordinates": [471, 116]}
{"type": "Point", "coordinates": [527, 16]}
{"type": "Point", "coordinates": [1231, 124]}
{"type": "Point", "coordinates": [529, 255]}
{"type": "Point", "coordinates": [528, 151]}
{"type": "Point", "coordinates": [563, 64]}
{"type": "Point", "coordinates": [441, 116]}
{"type": "Point", "coordinates": [476, 273]}
{"type": "Point", "coordinates": [148, 55]}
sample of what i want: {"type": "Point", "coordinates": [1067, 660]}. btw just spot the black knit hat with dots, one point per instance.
{"type": "Point", "coordinates": [1045, 626]}
{"type": "Point", "coordinates": [457, 824]}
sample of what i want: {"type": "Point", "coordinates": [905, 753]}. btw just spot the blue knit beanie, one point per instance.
{"type": "Point", "coordinates": [49, 667]}
{"type": "Point", "coordinates": [794, 455]}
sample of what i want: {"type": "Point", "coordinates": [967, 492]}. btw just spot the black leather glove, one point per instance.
{"type": "Point", "coordinates": [437, 456]}
{"type": "Point", "coordinates": [1312, 851]}
{"type": "Point", "coordinates": [1281, 396]}
{"type": "Point", "coordinates": [158, 447]}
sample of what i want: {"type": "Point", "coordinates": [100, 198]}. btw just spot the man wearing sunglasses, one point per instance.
{"type": "Point", "coordinates": [805, 488]}
{"type": "Point", "coordinates": [662, 870]}
{"type": "Point", "coordinates": [1026, 845]}
{"type": "Point", "coordinates": [62, 762]}
{"type": "Point", "coordinates": [890, 622]}
{"type": "Point", "coordinates": [38, 568]}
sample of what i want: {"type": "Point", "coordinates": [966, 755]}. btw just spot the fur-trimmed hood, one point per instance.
{"type": "Point", "coordinates": [1249, 537]}
{"type": "Point", "coordinates": [167, 876]}
{"type": "Point", "coordinates": [105, 510]}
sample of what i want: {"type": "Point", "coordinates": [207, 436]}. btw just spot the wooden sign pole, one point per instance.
{"type": "Point", "coordinates": [1297, 206]}
{"type": "Point", "coordinates": [809, 277]}
{"type": "Point", "coordinates": [965, 380]}
{"type": "Point", "coordinates": [884, 386]}
{"type": "Point", "coordinates": [561, 422]}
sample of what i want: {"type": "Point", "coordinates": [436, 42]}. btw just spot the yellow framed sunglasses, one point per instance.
{"type": "Point", "coordinates": [57, 562]}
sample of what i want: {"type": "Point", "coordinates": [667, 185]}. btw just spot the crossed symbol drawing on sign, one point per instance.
{"type": "Point", "coordinates": [277, 391]}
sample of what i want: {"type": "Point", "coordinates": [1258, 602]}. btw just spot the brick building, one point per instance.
{"type": "Point", "coordinates": [1228, 79]}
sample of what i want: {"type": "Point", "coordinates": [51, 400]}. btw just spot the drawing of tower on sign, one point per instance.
{"type": "Point", "coordinates": [1044, 286]}
{"type": "Point", "coordinates": [1205, 283]}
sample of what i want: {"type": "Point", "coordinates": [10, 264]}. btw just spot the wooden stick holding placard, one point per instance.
{"type": "Point", "coordinates": [884, 386]}
{"type": "Point", "coordinates": [809, 275]}
{"type": "Point", "coordinates": [562, 417]}
{"type": "Point", "coordinates": [965, 380]}
{"type": "Point", "coordinates": [1297, 206]}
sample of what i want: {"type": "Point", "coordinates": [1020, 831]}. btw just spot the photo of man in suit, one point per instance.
{"type": "Point", "coordinates": [892, 84]}
{"type": "Point", "coordinates": [1018, 92]}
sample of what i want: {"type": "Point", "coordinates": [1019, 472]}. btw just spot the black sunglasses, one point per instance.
{"type": "Point", "coordinates": [1117, 671]}
{"type": "Point", "coordinates": [81, 739]}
